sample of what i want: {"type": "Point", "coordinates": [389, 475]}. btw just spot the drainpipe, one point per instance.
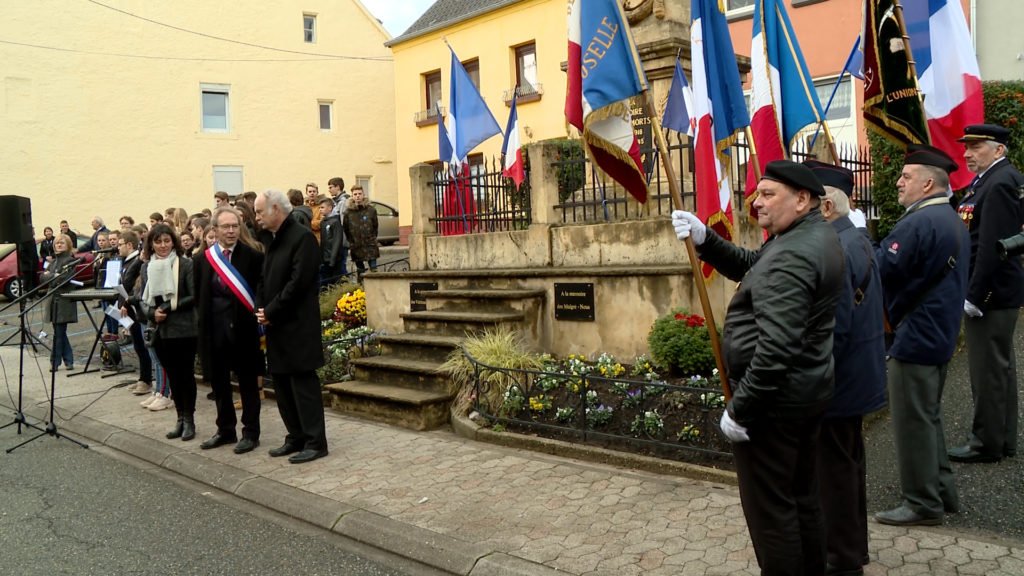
{"type": "Point", "coordinates": [974, 26]}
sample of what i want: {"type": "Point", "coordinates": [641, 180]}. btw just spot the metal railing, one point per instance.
{"type": "Point", "coordinates": [480, 200]}
{"type": "Point", "coordinates": [596, 199]}
{"type": "Point", "coordinates": [662, 419]}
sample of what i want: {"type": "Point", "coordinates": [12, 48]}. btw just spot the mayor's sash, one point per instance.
{"type": "Point", "coordinates": [230, 277]}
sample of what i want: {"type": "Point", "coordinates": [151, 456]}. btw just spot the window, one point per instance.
{"type": "Point", "coordinates": [228, 179]}
{"type": "Point", "coordinates": [309, 28]}
{"type": "Point", "coordinates": [431, 98]}
{"type": "Point", "coordinates": [473, 69]}
{"type": "Point", "coordinates": [326, 115]}
{"type": "Point", "coordinates": [215, 107]}
{"type": "Point", "coordinates": [842, 104]}
{"type": "Point", "coordinates": [526, 69]}
{"type": "Point", "coordinates": [739, 7]}
{"type": "Point", "coordinates": [367, 183]}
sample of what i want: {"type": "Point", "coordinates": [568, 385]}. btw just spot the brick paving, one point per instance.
{"type": "Point", "coordinates": [579, 518]}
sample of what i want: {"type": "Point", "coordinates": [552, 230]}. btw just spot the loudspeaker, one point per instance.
{"type": "Point", "coordinates": [15, 219]}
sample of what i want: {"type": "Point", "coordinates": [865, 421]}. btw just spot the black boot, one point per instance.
{"type": "Point", "coordinates": [188, 431]}
{"type": "Point", "coordinates": [178, 428]}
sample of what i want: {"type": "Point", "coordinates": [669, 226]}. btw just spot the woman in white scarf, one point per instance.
{"type": "Point", "coordinates": [168, 300]}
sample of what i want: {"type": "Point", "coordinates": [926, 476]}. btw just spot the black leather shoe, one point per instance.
{"type": "Point", "coordinates": [284, 450]}
{"type": "Point", "coordinates": [176, 431]}
{"type": "Point", "coordinates": [950, 507]}
{"type": "Point", "coordinates": [969, 455]}
{"type": "Point", "coordinates": [188, 430]}
{"type": "Point", "coordinates": [246, 445]}
{"type": "Point", "coordinates": [831, 570]}
{"type": "Point", "coordinates": [307, 456]}
{"type": "Point", "coordinates": [210, 395]}
{"type": "Point", "coordinates": [218, 439]}
{"type": "Point", "coordinates": [903, 516]}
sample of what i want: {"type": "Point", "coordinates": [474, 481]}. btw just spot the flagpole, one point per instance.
{"type": "Point", "coordinates": [828, 106]}
{"type": "Point", "coordinates": [691, 251]}
{"type": "Point", "coordinates": [910, 61]}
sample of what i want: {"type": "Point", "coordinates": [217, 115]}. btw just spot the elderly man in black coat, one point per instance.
{"type": "Point", "coordinates": [859, 353]}
{"type": "Point", "coordinates": [227, 274]}
{"type": "Point", "coordinates": [287, 306]}
{"type": "Point", "coordinates": [992, 209]}
{"type": "Point", "coordinates": [778, 346]}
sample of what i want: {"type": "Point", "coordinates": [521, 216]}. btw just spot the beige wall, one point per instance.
{"type": "Point", "coordinates": [999, 41]}
{"type": "Point", "coordinates": [87, 134]}
{"type": "Point", "coordinates": [490, 38]}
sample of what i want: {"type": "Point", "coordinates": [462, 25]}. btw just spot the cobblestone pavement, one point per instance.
{"type": "Point", "coordinates": [576, 517]}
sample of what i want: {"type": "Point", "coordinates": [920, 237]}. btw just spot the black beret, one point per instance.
{"type": "Point", "coordinates": [795, 175]}
{"type": "Point", "coordinates": [832, 175]}
{"type": "Point", "coordinates": [987, 132]}
{"type": "Point", "coordinates": [929, 156]}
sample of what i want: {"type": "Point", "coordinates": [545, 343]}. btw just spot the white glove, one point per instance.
{"type": "Point", "coordinates": [972, 310]}
{"type": "Point", "coordinates": [688, 225]}
{"type": "Point", "coordinates": [858, 219]}
{"type": "Point", "coordinates": [732, 430]}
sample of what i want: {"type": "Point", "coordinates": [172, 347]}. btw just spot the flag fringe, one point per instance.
{"type": "Point", "coordinates": [616, 110]}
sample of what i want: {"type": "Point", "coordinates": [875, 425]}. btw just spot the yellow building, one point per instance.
{"type": "Point", "coordinates": [503, 45]}
{"type": "Point", "coordinates": [121, 107]}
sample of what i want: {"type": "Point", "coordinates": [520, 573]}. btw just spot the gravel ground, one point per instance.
{"type": "Point", "coordinates": [991, 495]}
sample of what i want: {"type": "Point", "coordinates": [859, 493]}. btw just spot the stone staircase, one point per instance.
{"type": "Point", "coordinates": [404, 385]}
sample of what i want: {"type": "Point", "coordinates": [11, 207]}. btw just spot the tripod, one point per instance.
{"type": "Point", "coordinates": [62, 279]}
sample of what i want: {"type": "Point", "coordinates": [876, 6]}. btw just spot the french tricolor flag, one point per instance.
{"type": "Point", "coordinates": [782, 97]}
{"type": "Point", "coordinates": [948, 75]}
{"type": "Point", "coordinates": [511, 151]}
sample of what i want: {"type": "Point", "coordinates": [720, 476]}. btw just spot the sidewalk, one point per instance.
{"type": "Point", "coordinates": [473, 508]}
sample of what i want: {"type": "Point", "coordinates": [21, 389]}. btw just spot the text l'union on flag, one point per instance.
{"type": "Point", "coordinates": [782, 97]}
{"type": "Point", "coordinates": [892, 100]}
{"type": "Point", "coordinates": [603, 73]}
{"type": "Point", "coordinates": [720, 111]}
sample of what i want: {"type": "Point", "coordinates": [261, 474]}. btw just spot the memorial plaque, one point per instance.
{"type": "Point", "coordinates": [417, 298]}
{"type": "Point", "coordinates": [574, 301]}
{"type": "Point", "coordinates": [642, 131]}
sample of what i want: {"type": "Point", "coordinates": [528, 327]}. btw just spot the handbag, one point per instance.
{"type": "Point", "coordinates": [149, 336]}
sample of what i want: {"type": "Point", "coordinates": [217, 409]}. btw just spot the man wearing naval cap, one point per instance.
{"type": "Point", "coordinates": [777, 344]}
{"type": "Point", "coordinates": [859, 353]}
{"type": "Point", "coordinates": [923, 266]}
{"type": "Point", "coordinates": [992, 209]}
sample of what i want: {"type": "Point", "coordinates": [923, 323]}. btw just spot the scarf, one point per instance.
{"type": "Point", "coordinates": [162, 280]}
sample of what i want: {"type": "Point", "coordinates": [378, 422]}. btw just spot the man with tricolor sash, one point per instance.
{"type": "Point", "coordinates": [227, 274]}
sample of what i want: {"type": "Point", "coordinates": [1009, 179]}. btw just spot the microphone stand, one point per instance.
{"type": "Point", "coordinates": [56, 284]}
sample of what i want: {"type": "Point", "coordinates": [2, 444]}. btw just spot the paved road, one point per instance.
{"type": "Point", "coordinates": [991, 495]}
{"type": "Point", "coordinates": [65, 510]}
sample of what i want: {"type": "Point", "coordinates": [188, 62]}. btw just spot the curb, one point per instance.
{"type": "Point", "coordinates": [421, 545]}
{"type": "Point", "coordinates": [467, 428]}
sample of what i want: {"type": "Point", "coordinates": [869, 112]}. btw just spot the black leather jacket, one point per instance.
{"type": "Point", "coordinates": [777, 341]}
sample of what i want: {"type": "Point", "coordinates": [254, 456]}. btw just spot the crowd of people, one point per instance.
{"type": "Point", "coordinates": [235, 286]}
{"type": "Point", "coordinates": [826, 328]}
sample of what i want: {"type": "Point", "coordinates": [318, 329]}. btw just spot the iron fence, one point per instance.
{"type": "Point", "coordinates": [586, 196]}
{"type": "Point", "coordinates": [666, 420]}
{"type": "Point", "coordinates": [480, 199]}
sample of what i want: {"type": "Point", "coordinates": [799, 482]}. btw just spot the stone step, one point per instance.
{"type": "Point", "coordinates": [483, 300]}
{"type": "Point", "coordinates": [485, 293]}
{"type": "Point", "coordinates": [428, 347]}
{"type": "Point", "coordinates": [452, 323]}
{"type": "Point", "coordinates": [406, 372]}
{"type": "Point", "coordinates": [415, 409]}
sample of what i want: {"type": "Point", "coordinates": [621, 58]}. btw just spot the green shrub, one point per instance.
{"type": "Point", "coordinates": [1004, 105]}
{"type": "Point", "coordinates": [500, 347]}
{"type": "Point", "coordinates": [680, 342]}
{"type": "Point", "coordinates": [571, 170]}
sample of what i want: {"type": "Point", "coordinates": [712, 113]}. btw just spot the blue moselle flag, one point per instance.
{"type": "Point", "coordinates": [445, 151]}
{"type": "Point", "coordinates": [472, 121]}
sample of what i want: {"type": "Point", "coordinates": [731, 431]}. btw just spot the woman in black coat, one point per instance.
{"type": "Point", "coordinates": [168, 301]}
{"type": "Point", "coordinates": [60, 311]}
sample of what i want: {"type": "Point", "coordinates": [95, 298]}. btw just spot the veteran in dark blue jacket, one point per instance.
{"type": "Point", "coordinates": [923, 265]}
{"type": "Point", "coordinates": [992, 210]}
{"type": "Point", "coordinates": [859, 352]}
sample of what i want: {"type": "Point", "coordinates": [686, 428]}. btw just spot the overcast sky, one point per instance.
{"type": "Point", "coordinates": [397, 15]}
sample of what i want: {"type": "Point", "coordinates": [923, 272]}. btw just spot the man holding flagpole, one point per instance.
{"type": "Point", "coordinates": [778, 345]}
{"type": "Point", "coordinates": [226, 275]}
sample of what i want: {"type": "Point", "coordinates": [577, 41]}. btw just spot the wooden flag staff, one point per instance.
{"type": "Point", "coordinates": [691, 251]}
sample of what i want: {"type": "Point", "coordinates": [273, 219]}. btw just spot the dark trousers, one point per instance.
{"type": "Point", "coordinates": [178, 357]}
{"type": "Point", "coordinates": [224, 362]}
{"type": "Point", "coordinates": [841, 469]}
{"type": "Point", "coordinates": [145, 362]}
{"type": "Point", "coordinates": [993, 367]}
{"type": "Point", "coordinates": [778, 476]}
{"type": "Point", "coordinates": [61, 347]}
{"type": "Point", "coordinates": [915, 402]}
{"type": "Point", "coordinates": [302, 409]}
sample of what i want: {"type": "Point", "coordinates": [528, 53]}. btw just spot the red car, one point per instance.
{"type": "Point", "coordinates": [11, 286]}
